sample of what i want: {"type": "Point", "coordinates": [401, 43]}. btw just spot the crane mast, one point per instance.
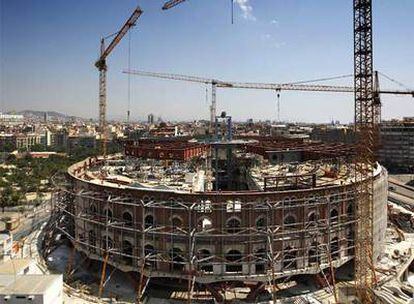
{"type": "Point", "coordinates": [102, 67]}
{"type": "Point", "coordinates": [367, 118]}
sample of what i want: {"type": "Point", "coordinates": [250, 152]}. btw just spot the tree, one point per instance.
{"type": "Point", "coordinates": [38, 148]}
{"type": "Point", "coordinates": [15, 198]}
{"type": "Point", "coordinates": [6, 197]}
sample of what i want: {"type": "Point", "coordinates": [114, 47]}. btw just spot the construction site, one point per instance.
{"type": "Point", "coordinates": [235, 218]}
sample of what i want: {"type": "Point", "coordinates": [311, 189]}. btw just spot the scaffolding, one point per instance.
{"type": "Point", "coordinates": [153, 239]}
{"type": "Point", "coordinates": [210, 240]}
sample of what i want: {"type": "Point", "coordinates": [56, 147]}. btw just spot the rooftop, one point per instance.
{"type": "Point", "coordinates": [14, 266]}
{"type": "Point", "coordinates": [302, 165]}
{"type": "Point", "coordinates": [27, 284]}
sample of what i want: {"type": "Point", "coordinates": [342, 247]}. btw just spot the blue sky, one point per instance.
{"type": "Point", "coordinates": [48, 47]}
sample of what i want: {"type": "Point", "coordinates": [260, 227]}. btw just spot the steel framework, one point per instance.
{"type": "Point", "coordinates": [366, 121]}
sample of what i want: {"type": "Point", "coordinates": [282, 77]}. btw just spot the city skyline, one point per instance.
{"type": "Point", "coordinates": [47, 61]}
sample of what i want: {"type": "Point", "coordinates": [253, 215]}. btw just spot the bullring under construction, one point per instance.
{"type": "Point", "coordinates": [207, 215]}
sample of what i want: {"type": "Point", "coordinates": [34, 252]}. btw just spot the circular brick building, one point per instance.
{"type": "Point", "coordinates": [245, 210]}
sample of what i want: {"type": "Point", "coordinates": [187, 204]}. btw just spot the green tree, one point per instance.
{"type": "Point", "coordinates": [6, 197]}
{"type": "Point", "coordinates": [16, 198]}
{"type": "Point", "coordinates": [38, 148]}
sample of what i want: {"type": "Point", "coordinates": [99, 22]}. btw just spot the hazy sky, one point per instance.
{"type": "Point", "coordinates": [48, 49]}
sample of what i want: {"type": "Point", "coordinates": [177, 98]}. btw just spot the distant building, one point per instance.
{"type": "Point", "coordinates": [279, 131]}
{"type": "Point", "coordinates": [22, 141]}
{"type": "Point", "coordinates": [11, 119]}
{"type": "Point", "coordinates": [60, 138]}
{"type": "Point", "coordinates": [333, 134]}
{"type": "Point", "coordinates": [7, 142]}
{"type": "Point", "coordinates": [26, 141]}
{"type": "Point", "coordinates": [47, 139]}
{"type": "Point", "coordinates": [151, 119]}
{"type": "Point", "coordinates": [84, 141]}
{"type": "Point", "coordinates": [396, 150]}
{"type": "Point", "coordinates": [289, 132]}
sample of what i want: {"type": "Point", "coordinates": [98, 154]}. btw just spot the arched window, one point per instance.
{"type": "Point", "coordinates": [92, 241]}
{"type": "Point", "coordinates": [350, 210]}
{"type": "Point", "coordinates": [149, 251]}
{"type": "Point", "coordinates": [204, 224]}
{"type": "Point", "coordinates": [176, 222]}
{"type": "Point", "coordinates": [311, 201]}
{"type": "Point", "coordinates": [233, 225]}
{"type": "Point", "coordinates": [92, 209]}
{"type": "Point", "coordinates": [206, 265]}
{"type": "Point", "coordinates": [107, 243]}
{"type": "Point", "coordinates": [334, 215]}
{"type": "Point", "coordinates": [289, 258]}
{"type": "Point", "coordinates": [260, 255]}
{"type": "Point", "coordinates": [127, 252]}
{"type": "Point", "coordinates": [261, 223]}
{"type": "Point", "coordinates": [289, 220]}
{"type": "Point", "coordinates": [127, 218]}
{"type": "Point", "coordinates": [335, 248]}
{"type": "Point", "coordinates": [148, 221]}
{"type": "Point", "coordinates": [234, 257]}
{"type": "Point", "coordinates": [313, 253]}
{"type": "Point", "coordinates": [176, 259]}
{"type": "Point", "coordinates": [312, 217]}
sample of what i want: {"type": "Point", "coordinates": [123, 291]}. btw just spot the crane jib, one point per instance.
{"type": "Point", "coordinates": [258, 86]}
{"type": "Point", "coordinates": [128, 24]}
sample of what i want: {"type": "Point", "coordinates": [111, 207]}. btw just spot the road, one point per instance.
{"type": "Point", "coordinates": [400, 193]}
{"type": "Point", "coordinates": [399, 187]}
{"type": "Point", "coordinates": [32, 221]}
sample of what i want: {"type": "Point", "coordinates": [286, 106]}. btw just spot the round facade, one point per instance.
{"type": "Point", "coordinates": [216, 235]}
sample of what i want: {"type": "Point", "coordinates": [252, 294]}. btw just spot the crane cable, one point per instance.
{"type": "Point", "coordinates": [322, 79]}
{"type": "Point", "coordinates": [395, 81]}
{"type": "Point", "coordinates": [207, 101]}
{"type": "Point", "coordinates": [232, 11]}
{"type": "Point", "coordinates": [129, 76]}
{"type": "Point", "coordinates": [278, 105]}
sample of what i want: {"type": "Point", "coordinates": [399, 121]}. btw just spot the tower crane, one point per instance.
{"type": "Point", "coordinates": [171, 4]}
{"type": "Point", "coordinates": [102, 67]}
{"type": "Point", "coordinates": [367, 117]}
{"type": "Point", "coordinates": [215, 83]}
